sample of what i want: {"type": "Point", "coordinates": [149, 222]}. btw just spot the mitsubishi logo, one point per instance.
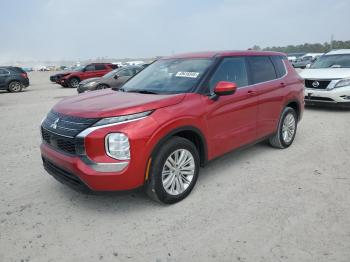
{"type": "Point", "coordinates": [315, 84]}
{"type": "Point", "coordinates": [54, 124]}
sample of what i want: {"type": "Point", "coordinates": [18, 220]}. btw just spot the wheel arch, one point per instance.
{"type": "Point", "coordinates": [191, 133]}
{"type": "Point", "coordinates": [295, 104]}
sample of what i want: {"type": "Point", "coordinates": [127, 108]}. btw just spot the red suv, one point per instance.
{"type": "Point", "coordinates": [170, 119]}
{"type": "Point", "coordinates": [72, 79]}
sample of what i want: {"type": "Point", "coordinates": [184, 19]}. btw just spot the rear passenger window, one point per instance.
{"type": "Point", "coordinates": [262, 69]}
{"type": "Point", "coordinates": [100, 67]}
{"type": "Point", "coordinates": [4, 72]}
{"type": "Point", "coordinates": [231, 69]}
{"type": "Point", "coordinates": [90, 68]}
{"type": "Point", "coordinates": [279, 65]}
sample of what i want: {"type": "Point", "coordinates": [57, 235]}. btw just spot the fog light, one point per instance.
{"type": "Point", "coordinates": [117, 146]}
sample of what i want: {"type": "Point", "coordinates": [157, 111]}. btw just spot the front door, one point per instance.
{"type": "Point", "coordinates": [231, 120]}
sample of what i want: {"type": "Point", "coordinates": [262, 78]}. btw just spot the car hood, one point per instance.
{"type": "Point", "coordinates": [89, 80]}
{"type": "Point", "coordinates": [108, 103]}
{"type": "Point", "coordinates": [325, 73]}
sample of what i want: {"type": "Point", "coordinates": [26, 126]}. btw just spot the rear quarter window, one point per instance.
{"type": "Point", "coordinates": [4, 72]}
{"type": "Point", "coordinates": [261, 69]}
{"type": "Point", "coordinates": [279, 65]}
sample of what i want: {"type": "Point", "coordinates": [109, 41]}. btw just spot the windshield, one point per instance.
{"type": "Point", "coordinates": [111, 74]}
{"type": "Point", "coordinates": [169, 76]}
{"type": "Point", "coordinates": [335, 61]}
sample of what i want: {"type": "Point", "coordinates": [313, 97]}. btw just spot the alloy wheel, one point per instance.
{"type": "Point", "coordinates": [288, 128]}
{"type": "Point", "coordinates": [178, 172]}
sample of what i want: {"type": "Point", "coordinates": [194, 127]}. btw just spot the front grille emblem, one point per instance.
{"type": "Point", "coordinates": [315, 84]}
{"type": "Point", "coordinates": [54, 124]}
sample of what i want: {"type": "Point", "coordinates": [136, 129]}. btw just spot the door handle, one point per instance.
{"type": "Point", "coordinates": [282, 84]}
{"type": "Point", "coordinates": [252, 93]}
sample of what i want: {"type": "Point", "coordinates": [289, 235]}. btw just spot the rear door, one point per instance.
{"type": "Point", "coordinates": [269, 85]}
{"type": "Point", "coordinates": [4, 76]}
{"type": "Point", "coordinates": [101, 70]}
{"type": "Point", "coordinates": [231, 119]}
{"type": "Point", "coordinates": [89, 72]}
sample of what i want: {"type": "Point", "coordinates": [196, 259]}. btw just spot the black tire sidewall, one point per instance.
{"type": "Point", "coordinates": [284, 115]}
{"type": "Point", "coordinates": [157, 166]}
{"type": "Point", "coordinates": [70, 82]}
{"type": "Point", "coordinates": [101, 87]}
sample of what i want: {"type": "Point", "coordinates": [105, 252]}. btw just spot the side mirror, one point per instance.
{"type": "Point", "coordinates": [115, 76]}
{"type": "Point", "coordinates": [224, 88]}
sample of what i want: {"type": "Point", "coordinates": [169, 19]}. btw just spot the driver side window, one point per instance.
{"type": "Point", "coordinates": [231, 69]}
{"type": "Point", "coordinates": [125, 72]}
{"type": "Point", "coordinates": [90, 68]}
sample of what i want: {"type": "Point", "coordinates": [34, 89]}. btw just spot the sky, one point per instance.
{"type": "Point", "coordinates": [83, 29]}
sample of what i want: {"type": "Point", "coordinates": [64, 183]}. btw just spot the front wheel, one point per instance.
{"type": "Point", "coordinates": [287, 128]}
{"type": "Point", "coordinates": [174, 171]}
{"type": "Point", "coordinates": [73, 82]}
{"type": "Point", "coordinates": [102, 86]}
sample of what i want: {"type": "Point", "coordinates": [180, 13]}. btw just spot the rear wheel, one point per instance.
{"type": "Point", "coordinates": [174, 171]}
{"type": "Point", "coordinates": [73, 82]}
{"type": "Point", "coordinates": [15, 86]}
{"type": "Point", "coordinates": [287, 129]}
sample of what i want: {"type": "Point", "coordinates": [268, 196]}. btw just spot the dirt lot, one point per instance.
{"type": "Point", "coordinates": [259, 204]}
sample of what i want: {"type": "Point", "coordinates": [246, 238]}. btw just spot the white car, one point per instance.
{"type": "Point", "coordinates": [328, 79]}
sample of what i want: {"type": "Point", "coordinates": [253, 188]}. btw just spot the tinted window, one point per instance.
{"type": "Point", "coordinates": [4, 72]}
{"type": "Point", "coordinates": [262, 69]}
{"type": "Point", "coordinates": [231, 69]}
{"type": "Point", "coordinates": [100, 67]}
{"type": "Point", "coordinates": [90, 68]}
{"type": "Point", "coordinates": [279, 65]}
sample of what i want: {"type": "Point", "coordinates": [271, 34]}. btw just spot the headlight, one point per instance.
{"type": "Point", "coordinates": [343, 82]}
{"type": "Point", "coordinates": [117, 146]}
{"type": "Point", "coordinates": [118, 119]}
{"type": "Point", "coordinates": [90, 84]}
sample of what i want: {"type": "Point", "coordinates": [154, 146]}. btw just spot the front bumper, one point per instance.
{"type": "Point", "coordinates": [325, 96]}
{"type": "Point", "coordinates": [79, 174]}
{"type": "Point", "coordinates": [90, 164]}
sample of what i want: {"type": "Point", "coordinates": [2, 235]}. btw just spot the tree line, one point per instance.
{"type": "Point", "coordinates": [307, 47]}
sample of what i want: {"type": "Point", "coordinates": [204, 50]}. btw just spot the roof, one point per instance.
{"type": "Point", "coordinates": [211, 54]}
{"type": "Point", "coordinates": [339, 52]}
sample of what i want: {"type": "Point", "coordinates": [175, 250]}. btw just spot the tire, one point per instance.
{"type": "Point", "coordinates": [171, 185]}
{"type": "Point", "coordinates": [287, 129]}
{"type": "Point", "coordinates": [15, 87]}
{"type": "Point", "coordinates": [102, 86]}
{"type": "Point", "coordinates": [73, 82]}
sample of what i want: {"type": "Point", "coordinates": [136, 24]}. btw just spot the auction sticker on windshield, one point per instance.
{"type": "Point", "coordinates": [187, 74]}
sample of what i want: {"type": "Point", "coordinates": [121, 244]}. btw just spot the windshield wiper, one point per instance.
{"type": "Point", "coordinates": [141, 91]}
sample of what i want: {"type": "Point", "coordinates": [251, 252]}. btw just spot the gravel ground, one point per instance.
{"type": "Point", "coordinates": [258, 204]}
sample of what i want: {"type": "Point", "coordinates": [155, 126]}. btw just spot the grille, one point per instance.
{"type": "Point", "coordinates": [315, 98]}
{"type": "Point", "coordinates": [68, 126]}
{"type": "Point", "coordinates": [64, 176]}
{"type": "Point", "coordinates": [65, 144]}
{"type": "Point", "coordinates": [322, 83]}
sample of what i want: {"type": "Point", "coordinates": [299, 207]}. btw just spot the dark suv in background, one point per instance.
{"type": "Point", "coordinates": [13, 79]}
{"type": "Point", "coordinates": [72, 78]}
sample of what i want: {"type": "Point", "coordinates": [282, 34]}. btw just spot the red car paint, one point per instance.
{"type": "Point", "coordinates": [82, 75]}
{"type": "Point", "coordinates": [224, 124]}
